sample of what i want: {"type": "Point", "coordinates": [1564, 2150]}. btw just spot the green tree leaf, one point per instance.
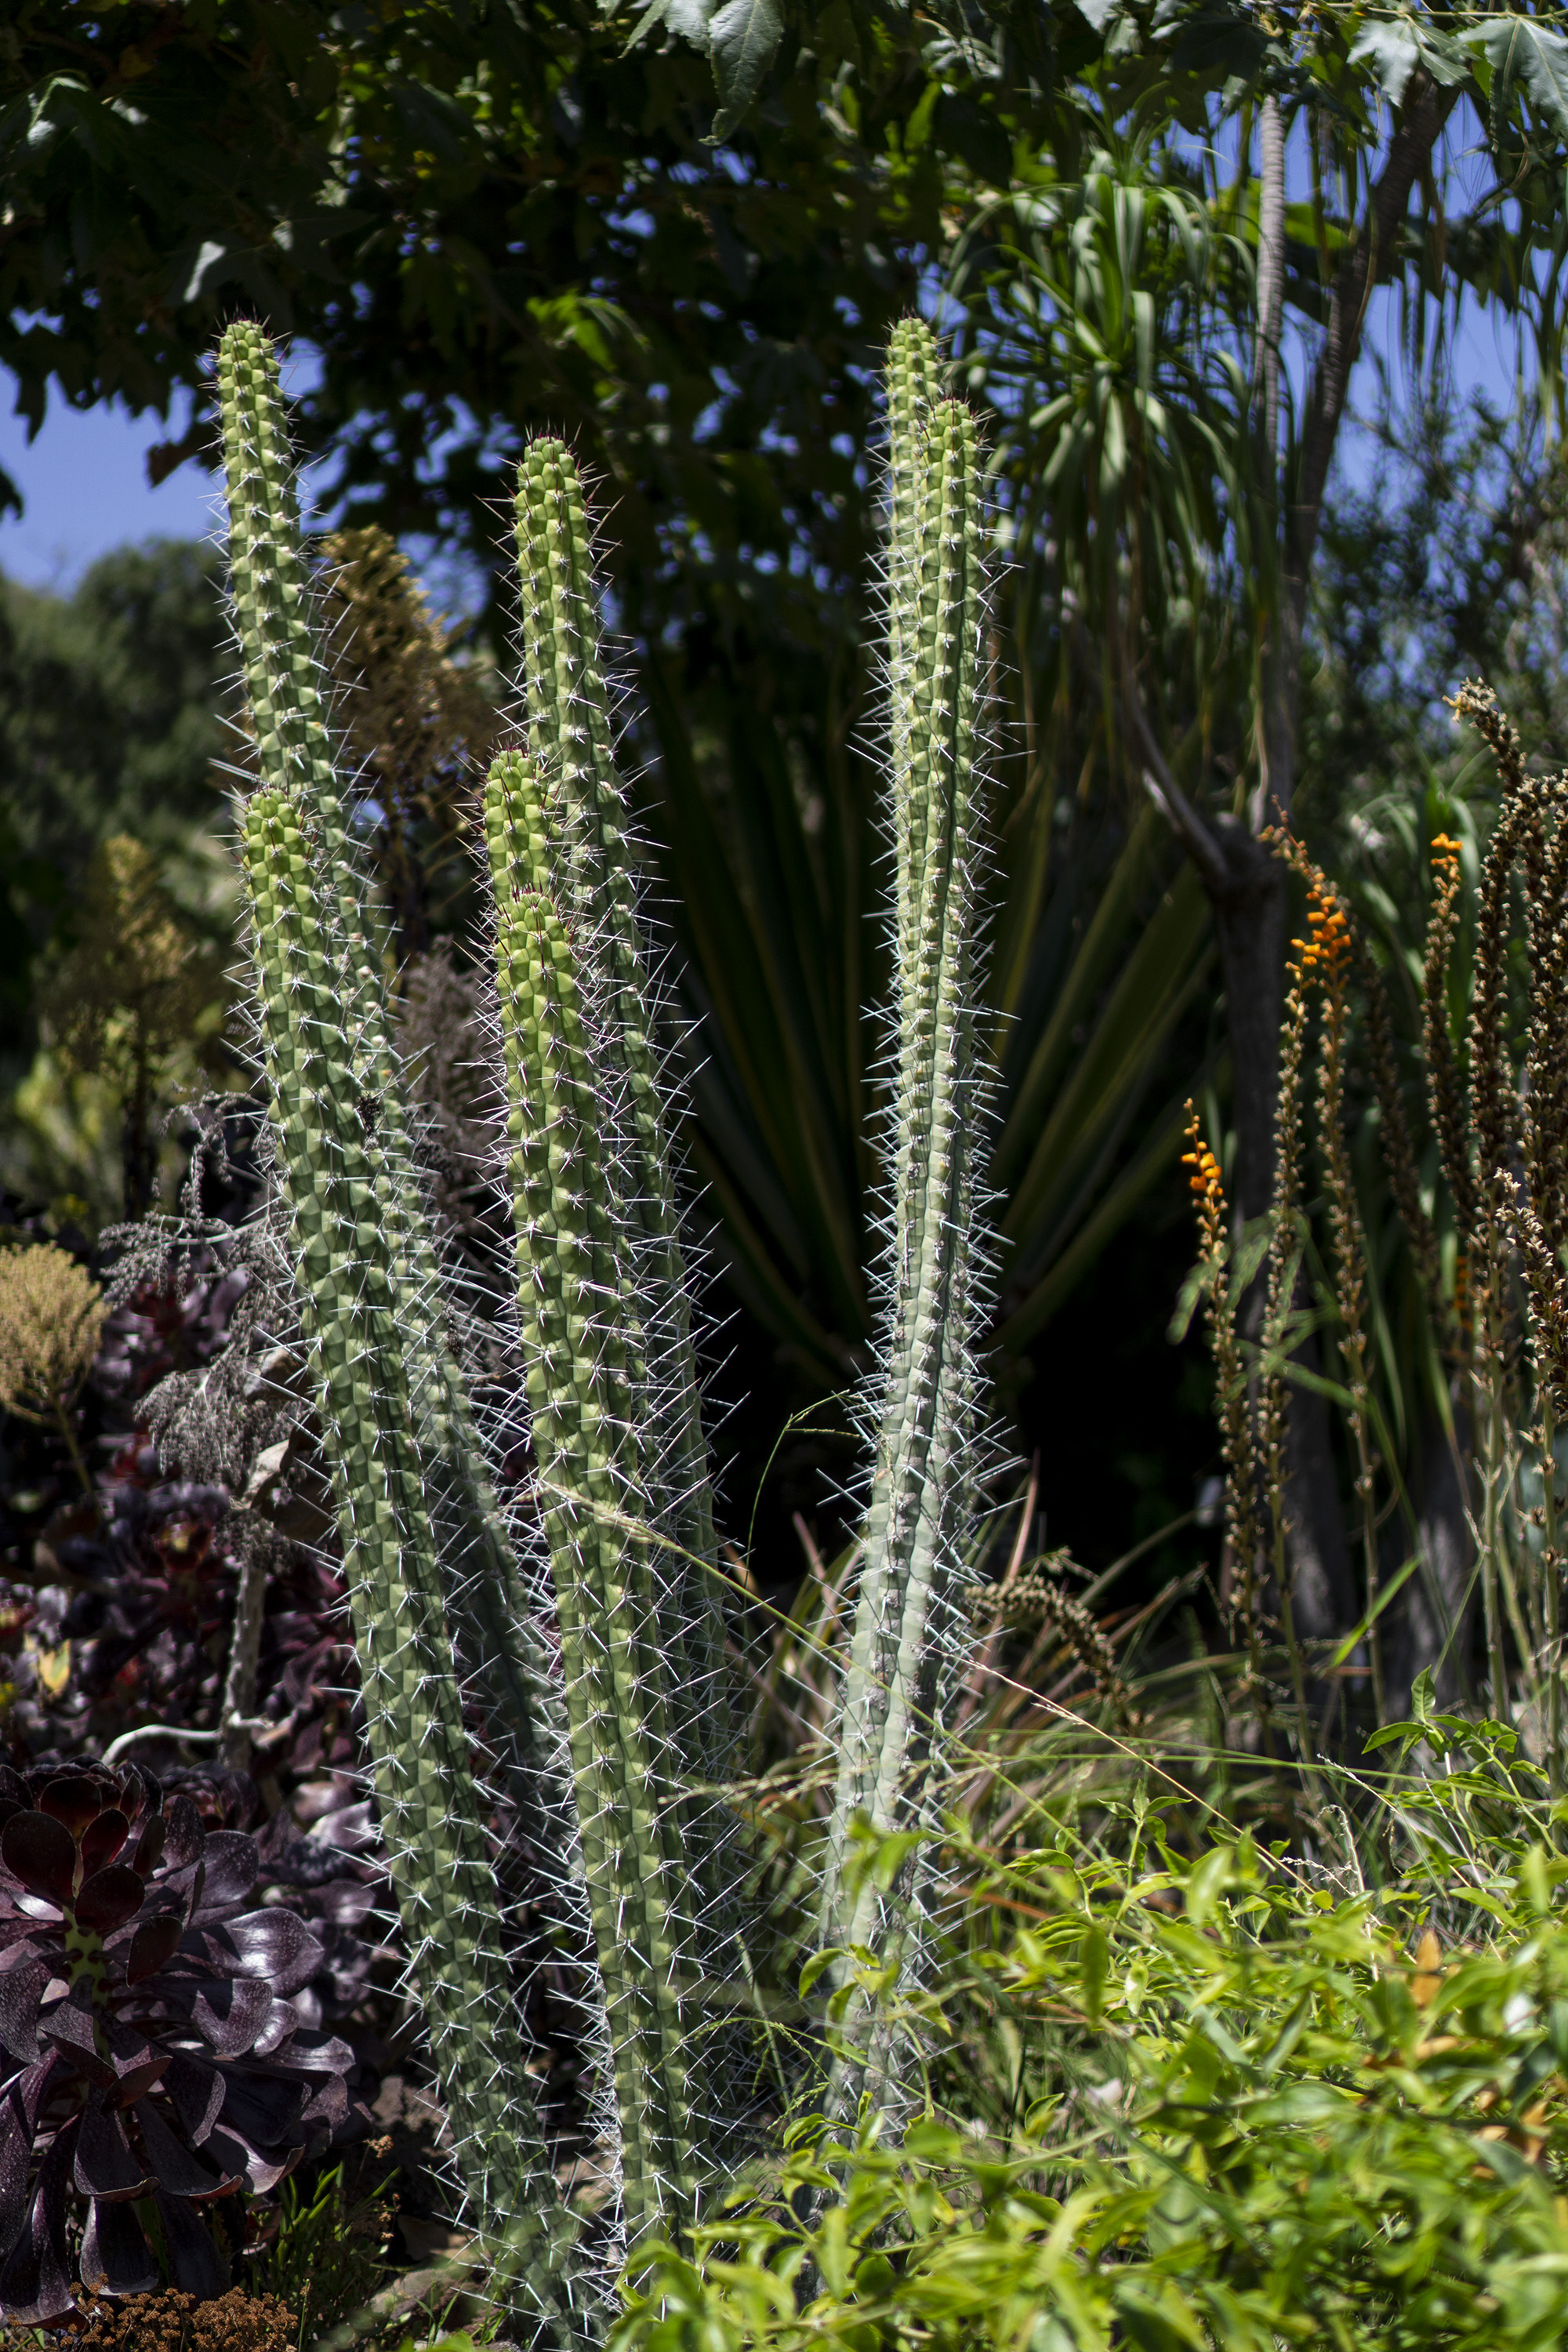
{"type": "Point", "coordinates": [742, 38]}
{"type": "Point", "coordinates": [1394, 53]}
{"type": "Point", "coordinates": [1518, 49]}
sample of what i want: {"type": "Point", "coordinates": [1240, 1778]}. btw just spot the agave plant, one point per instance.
{"type": "Point", "coordinates": [158, 2062]}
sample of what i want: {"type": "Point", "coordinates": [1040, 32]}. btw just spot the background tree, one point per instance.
{"type": "Point", "coordinates": [415, 725]}
{"type": "Point", "coordinates": [112, 718]}
{"type": "Point", "coordinates": [134, 991]}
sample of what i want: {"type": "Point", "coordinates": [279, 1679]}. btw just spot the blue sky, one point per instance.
{"type": "Point", "coordinates": [85, 483]}
{"type": "Point", "coordinates": [85, 489]}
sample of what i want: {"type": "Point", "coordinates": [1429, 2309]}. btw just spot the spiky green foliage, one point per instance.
{"type": "Point", "coordinates": [603, 1286]}
{"type": "Point", "coordinates": [271, 595]}
{"type": "Point", "coordinates": [625, 1508]}
{"type": "Point", "coordinates": [343, 1223]}
{"type": "Point", "coordinates": [558, 830]}
{"type": "Point", "coordinates": [906, 1617]}
{"type": "Point", "coordinates": [415, 1518]}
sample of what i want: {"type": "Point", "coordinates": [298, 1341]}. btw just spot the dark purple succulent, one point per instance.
{"type": "Point", "coordinates": [156, 2057]}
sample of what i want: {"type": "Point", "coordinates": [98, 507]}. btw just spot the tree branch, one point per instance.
{"type": "Point", "coordinates": [1426, 110]}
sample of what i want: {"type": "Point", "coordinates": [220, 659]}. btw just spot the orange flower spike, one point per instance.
{"type": "Point", "coordinates": [1205, 1180]}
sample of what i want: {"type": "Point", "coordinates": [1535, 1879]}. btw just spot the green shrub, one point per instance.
{"type": "Point", "coordinates": [1273, 2107]}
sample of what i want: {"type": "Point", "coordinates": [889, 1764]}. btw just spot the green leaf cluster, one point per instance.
{"type": "Point", "coordinates": [1277, 2110]}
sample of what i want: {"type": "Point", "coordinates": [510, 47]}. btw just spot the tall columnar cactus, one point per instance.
{"type": "Point", "coordinates": [406, 1509]}
{"type": "Point", "coordinates": [294, 751]}
{"type": "Point", "coordinates": [613, 1381]}
{"type": "Point", "coordinates": [613, 1763]}
{"type": "Point", "coordinates": [571, 735]}
{"type": "Point", "coordinates": [588, 1375]}
{"type": "Point", "coordinates": [908, 1624]}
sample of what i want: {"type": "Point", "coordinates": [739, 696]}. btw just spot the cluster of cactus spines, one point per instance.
{"type": "Point", "coordinates": [431, 1815]}
{"type": "Point", "coordinates": [384, 1390]}
{"type": "Point", "coordinates": [605, 1304]}
{"type": "Point", "coordinates": [914, 392]}
{"type": "Point", "coordinates": [570, 726]}
{"type": "Point", "coordinates": [908, 1619]}
{"type": "Point", "coordinates": [295, 751]}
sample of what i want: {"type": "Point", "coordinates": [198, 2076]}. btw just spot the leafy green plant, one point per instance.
{"type": "Point", "coordinates": [1265, 2105]}
{"type": "Point", "coordinates": [132, 995]}
{"type": "Point", "coordinates": [325, 2254]}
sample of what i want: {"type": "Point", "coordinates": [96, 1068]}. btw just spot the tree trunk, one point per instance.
{"type": "Point", "coordinates": [1426, 110]}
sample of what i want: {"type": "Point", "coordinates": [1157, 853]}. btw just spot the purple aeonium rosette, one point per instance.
{"type": "Point", "coordinates": [152, 2048]}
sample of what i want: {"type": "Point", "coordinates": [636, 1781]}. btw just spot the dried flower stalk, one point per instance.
{"type": "Point", "coordinates": [1446, 1090]}
{"type": "Point", "coordinates": [1037, 1600]}
{"type": "Point", "coordinates": [1327, 958]}
{"type": "Point", "coordinates": [1284, 1257]}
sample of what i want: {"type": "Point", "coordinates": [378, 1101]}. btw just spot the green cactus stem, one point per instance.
{"type": "Point", "coordinates": [913, 390]}
{"type": "Point", "coordinates": [571, 733]}
{"type": "Point", "coordinates": [271, 597]}
{"type": "Point", "coordinates": [431, 1818]}
{"type": "Point", "coordinates": [907, 1617]}
{"type": "Point", "coordinates": [587, 1374]}
{"type": "Point", "coordinates": [414, 1516]}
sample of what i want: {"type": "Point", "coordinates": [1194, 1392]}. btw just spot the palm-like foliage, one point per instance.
{"type": "Point", "coordinates": [1095, 311]}
{"type": "Point", "coordinates": [1121, 466]}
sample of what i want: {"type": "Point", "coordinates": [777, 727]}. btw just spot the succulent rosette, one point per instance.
{"type": "Point", "coordinates": [155, 2058]}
